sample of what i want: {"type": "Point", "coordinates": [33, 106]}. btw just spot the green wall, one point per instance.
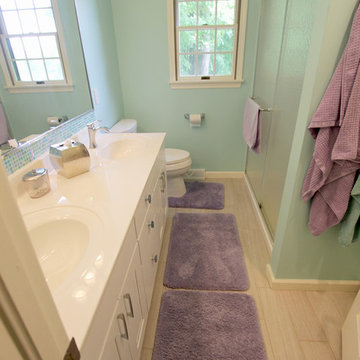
{"type": "Point", "coordinates": [297, 254]}
{"type": "Point", "coordinates": [142, 52]}
{"type": "Point", "coordinates": [27, 113]}
{"type": "Point", "coordinates": [142, 42]}
{"type": "Point", "coordinates": [98, 38]}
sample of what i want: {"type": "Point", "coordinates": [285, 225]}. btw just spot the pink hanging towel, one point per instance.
{"type": "Point", "coordinates": [251, 126]}
{"type": "Point", "coordinates": [336, 128]}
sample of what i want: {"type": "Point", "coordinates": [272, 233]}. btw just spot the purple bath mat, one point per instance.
{"type": "Point", "coordinates": [200, 195]}
{"type": "Point", "coordinates": [202, 325]}
{"type": "Point", "coordinates": [205, 253]}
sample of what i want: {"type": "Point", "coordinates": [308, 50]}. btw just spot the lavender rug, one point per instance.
{"type": "Point", "coordinates": [200, 195]}
{"type": "Point", "coordinates": [202, 325]}
{"type": "Point", "coordinates": [205, 253]}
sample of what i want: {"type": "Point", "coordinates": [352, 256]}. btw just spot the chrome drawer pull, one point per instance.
{"type": "Point", "coordinates": [151, 224]}
{"type": "Point", "coordinates": [148, 199]}
{"type": "Point", "coordinates": [155, 259]}
{"type": "Point", "coordinates": [131, 312]}
{"type": "Point", "coordinates": [163, 178]}
{"type": "Point", "coordinates": [122, 318]}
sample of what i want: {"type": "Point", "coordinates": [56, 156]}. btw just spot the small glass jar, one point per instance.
{"type": "Point", "coordinates": [37, 182]}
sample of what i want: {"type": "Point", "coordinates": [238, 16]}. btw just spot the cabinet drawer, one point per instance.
{"type": "Point", "coordinates": [146, 197]}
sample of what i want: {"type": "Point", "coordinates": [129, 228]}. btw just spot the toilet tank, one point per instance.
{"type": "Point", "coordinates": [125, 126]}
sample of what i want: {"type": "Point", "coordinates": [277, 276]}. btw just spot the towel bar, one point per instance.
{"type": "Point", "coordinates": [262, 109]}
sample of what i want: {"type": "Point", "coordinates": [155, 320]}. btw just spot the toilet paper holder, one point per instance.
{"type": "Point", "coordinates": [187, 116]}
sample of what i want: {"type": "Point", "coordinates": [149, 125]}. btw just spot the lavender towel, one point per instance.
{"type": "Point", "coordinates": [336, 128]}
{"type": "Point", "coordinates": [4, 135]}
{"type": "Point", "coordinates": [251, 126]}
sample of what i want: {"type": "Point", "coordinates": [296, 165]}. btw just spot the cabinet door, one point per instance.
{"type": "Point", "coordinates": [135, 306]}
{"type": "Point", "coordinates": [126, 332]}
{"type": "Point", "coordinates": [162, 201]}
{"type": "Point", "coordinates": [117, 343]}
{"type": "Point", "coordinates": [159, 217]}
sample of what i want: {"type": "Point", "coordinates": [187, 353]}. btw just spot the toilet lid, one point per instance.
{"type": "Point", "coordinates": [174, 156]}
{"type": "Point", "coordinates": [124, 126]}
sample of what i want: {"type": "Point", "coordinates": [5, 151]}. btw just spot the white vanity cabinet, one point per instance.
{"type": "Point", "coordinates": [120, 206]}
{"type": "Point", "coordinates": [127, 325]}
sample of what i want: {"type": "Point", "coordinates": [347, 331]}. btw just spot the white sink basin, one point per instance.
{"type": "Point", "coordinates": [123, 148]}
{"type": "Point", "coordinates": [62, 237]}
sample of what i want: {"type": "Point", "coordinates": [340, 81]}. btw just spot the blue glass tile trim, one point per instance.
{"type": "Point", "coordinates": [28, 152]}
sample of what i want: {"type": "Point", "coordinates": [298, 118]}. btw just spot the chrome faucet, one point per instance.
{"type": "Point", "coordinates": [92, 129]}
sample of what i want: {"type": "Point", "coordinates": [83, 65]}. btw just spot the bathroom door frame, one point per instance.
{"type": "Point", "coordinates": [26, 305]}
{"type": "Point", "coordinates": [351, 332]}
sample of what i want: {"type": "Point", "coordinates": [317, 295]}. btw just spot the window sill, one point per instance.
{"type": "Point", "coordinates": [205, 84]}
{"type": "Point", "coordinates": [40, 89]}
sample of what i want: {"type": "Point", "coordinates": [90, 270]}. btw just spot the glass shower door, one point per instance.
{"type": "Point", "coordinates": [267, 66]}
{"type": "Point", "coordinates": [284, 40]}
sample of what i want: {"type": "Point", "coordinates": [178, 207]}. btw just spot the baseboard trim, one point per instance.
{"type": "Point", "coordinates": [224, 174]}
{"type": "Point", "coordinates": [195, 174]}
{"type": "Point", "coordinates": [311, 284]}
{"type": "Point", "coordinates": [268, 237]}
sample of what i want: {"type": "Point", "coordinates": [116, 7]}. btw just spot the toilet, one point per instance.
{"type": "Point", "coordinates": [125, 126]}
{"type": "Point", "coordinates": [178, 161]}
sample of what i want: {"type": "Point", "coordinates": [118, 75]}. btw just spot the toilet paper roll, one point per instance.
{"type": "Point", "coordinates": [53, 120]}
{"type": "Point", "coordinates": [195, 120]}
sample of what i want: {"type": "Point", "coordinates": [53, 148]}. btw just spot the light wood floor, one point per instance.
{"type": "Point", "coordinates": [295, 324]}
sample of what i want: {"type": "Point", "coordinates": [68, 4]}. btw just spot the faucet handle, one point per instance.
{"type": "Point", "coordinates": [92, 126]}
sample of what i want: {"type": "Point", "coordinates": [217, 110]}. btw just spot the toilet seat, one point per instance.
{"type": "Point", "coordinates": [171, 168]}
{"type": "Point", "coordinates": [176, 156]}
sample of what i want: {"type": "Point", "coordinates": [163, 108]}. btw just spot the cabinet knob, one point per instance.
{"type": "Point", "coordinates": [155, 259]}
{"type": "Point", "coordinates": [163, 181]}
{"type": "Point", "coordinates": [148, 199]}
{"type": "Point", "coordinates": [151, 224]}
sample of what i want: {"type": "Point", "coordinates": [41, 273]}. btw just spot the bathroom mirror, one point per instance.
{"type": "Point", "coordinates": [27, 113]}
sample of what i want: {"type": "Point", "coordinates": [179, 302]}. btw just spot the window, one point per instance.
{"type": "Point", "coordinates": [206, 42]}
{"type": "Point", "coordinates": [33, 52]}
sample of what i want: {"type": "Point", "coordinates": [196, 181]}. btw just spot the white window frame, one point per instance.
{"type": "Point", "coordinates": [215, 81]}
{"type": "Point", "coordinates": [15, 87]}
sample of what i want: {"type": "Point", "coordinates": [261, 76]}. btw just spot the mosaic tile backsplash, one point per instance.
{"type": "Point", "coordinates": [28, 152]}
